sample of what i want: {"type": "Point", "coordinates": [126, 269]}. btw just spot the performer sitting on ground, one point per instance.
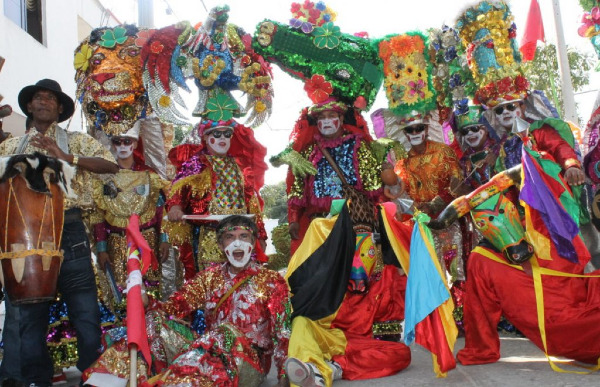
{"type": "Point", "coordinates": [246, 321]}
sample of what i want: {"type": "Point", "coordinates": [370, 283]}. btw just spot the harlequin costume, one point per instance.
{"type": "Point", "coordinates": [556, 248]}
{"type": "Point", "coordinates": [311, 196]}
{"type": "Point", "coordinates": [246, 328]}
{"type": "Point", "coordinates": [214, 185]}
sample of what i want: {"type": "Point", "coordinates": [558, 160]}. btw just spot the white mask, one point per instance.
{"type": "Point", "coordinates": [416, 139]}
{"type": "Point", "coordinates": [474, 139]}
{"type": "Point", "coordinates": [220, 146]}
{"type": "Point", "coordinates": [124, 151]}
{"type": "Point", "coordinates": [328, 126]}
{"type": "Point", "coordinates": [238, 246]}
{"type": "Point", "coordinates": [507, 117]}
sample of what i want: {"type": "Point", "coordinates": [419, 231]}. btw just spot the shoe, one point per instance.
{"type": "Point", "coordinates": [303, 374]}
{"type": "Point", "coordinates": [336, 369]}
{"type": "Point", "coordinates": [58, 379]}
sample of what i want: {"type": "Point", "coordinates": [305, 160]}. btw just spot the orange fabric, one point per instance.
{"type": "Point", "coordinates": [428, 175]}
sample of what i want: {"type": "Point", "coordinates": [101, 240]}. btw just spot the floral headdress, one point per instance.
{"type": "Point", "coordinates": [488, 32]}
{"type": "Point", "coordinates": [206, 126]}
{"type": "Point", "coordinates": [452, 78]}
{"type": "Point", "coordinates": [590, 23]}
{"type": "Point", "coordinates": [110, 113]}
{"type": "Point", "coordinates": [218, 55]}
{"type": "Point", "coordinates": [313, 49]}
{"type": "Point", "coordinates": [407, 72]}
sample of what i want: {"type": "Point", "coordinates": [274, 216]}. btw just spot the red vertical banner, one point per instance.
{"type": "Point", "coordinates": [140, 257]}
{"type": "Point", "coordinates": [534, 31]}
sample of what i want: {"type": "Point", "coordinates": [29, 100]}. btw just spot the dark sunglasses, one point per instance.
{"type": "Point", "coordinates": [414, 129]}
{"type": "Point", "coordinates": [122, 141]}
{"type": "Point", "coordinates": [465, 131]}
{"type": "Point", "coordinates": [218, 134]}
{"type": "Point", "coordinates": [510, 107]}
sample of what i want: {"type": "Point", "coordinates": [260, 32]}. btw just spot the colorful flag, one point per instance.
{"type": "Point", "coordinates": [140, 257]}
{"type": "Point", "coordinates": [428, 305]}
{"type": "Point", "coordinates": [534, 31]}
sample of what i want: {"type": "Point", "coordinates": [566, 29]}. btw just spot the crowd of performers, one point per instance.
{"type": "Point", "coordinates": [471, 188]}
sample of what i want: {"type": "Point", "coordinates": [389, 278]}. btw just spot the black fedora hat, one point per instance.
{"type": "Point", "coordinates": [26, 94]}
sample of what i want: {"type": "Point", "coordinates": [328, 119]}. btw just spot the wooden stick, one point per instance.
{"type": "Point", "coordinates": [133, 366]}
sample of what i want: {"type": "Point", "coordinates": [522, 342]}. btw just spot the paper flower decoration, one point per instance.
{"type": "Point", "coordinates": [82, 57]}
{"type": "Point", "coordinates": [111, 38]}
{"type": "Point", "coordinates": [220, 108]}
{"type": "Point", "coordinates": [327, 36]}
{"type": "Point", "coordinates": [317, 88]}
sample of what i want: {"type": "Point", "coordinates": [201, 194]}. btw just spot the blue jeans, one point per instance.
{"type": "Point", "coordinates": [77, 284]}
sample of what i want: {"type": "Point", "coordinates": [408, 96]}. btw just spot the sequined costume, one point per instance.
{"type": "Point", "coordinates": [312, 196]}
{"type": "Point", "coordinates": [130, 191]}
{"type": "Point", "coordinates": [204, 185]}
{"type": "Point", "coordinates": [244, 333]}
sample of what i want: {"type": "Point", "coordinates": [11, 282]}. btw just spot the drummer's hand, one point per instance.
{"type": "Point", "coordinates": [49, 145]}
{"type": "Point", "coordinates": [175, 214]}
{"type": "Point", "coordinates": [103, 260]}
{"type": "Point", "coordinates": [163, 251]}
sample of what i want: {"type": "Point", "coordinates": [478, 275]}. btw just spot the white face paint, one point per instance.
{"type": "Point", "coordinates": [328, 126]}
{"type": "Point", "coordinates": [474, 139]}
{"type": "Point", "coordinates": [238, 253]}
{"type": "Point", "coordinates": [124, 151]}
{"type": "Point", "coordinates": [218, 146]}
{"type": "Point", "coordinates": [507, 117]}
{"type": "Point", "coordinates": [416, 139]}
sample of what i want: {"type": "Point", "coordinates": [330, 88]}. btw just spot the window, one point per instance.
{"type": "Point", "coordinates": [27, 14]}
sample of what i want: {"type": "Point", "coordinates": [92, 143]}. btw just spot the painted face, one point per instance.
{"type": "Point", "coordinates": [507, 113]}
{"type": "Point", "coordinates": [115, 78]}
{"type": "Point", "coordinates": [237, 245]}
{"type": "Point", "coordinates": [474, 136]}
{"type": "Point", "coordinates": [219, 141]}
{"type": "Point", "coordinates": [124, 146]}
{"type": "Point", "coordinates": [329, 123]}
{"type": "Point", "coordinates": [416, 134]}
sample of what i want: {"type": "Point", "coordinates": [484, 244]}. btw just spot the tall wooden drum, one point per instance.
{"type": "Point", "coordinates": [31, 226]}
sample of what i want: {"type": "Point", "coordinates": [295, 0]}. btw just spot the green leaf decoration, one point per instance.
{"type": "Point", "coordinates": [221, 108]}
{"type": "Point", "coordinates": [111, 38]}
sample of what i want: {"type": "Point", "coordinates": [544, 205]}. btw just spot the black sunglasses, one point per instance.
{"type": "Point", "coordinates": [122, 141]}
{"type": "Point", "coordinates": [466, 130]}
{"type": "Point", "coordinates": [218, 134]}
{"type": "Point", "coordinates": [510, 107]}
{"type": "Point", "coordinates": [414, 129]}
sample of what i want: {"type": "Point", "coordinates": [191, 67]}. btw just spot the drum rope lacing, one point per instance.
{"type": "Point", "coordinates": [37, 250]}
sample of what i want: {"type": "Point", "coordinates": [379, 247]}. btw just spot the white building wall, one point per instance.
{"type": "Point", "coordinates": [66, 22]}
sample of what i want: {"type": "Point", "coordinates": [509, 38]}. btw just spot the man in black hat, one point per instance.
{"type": "Point", "coordinates": [47, 105]}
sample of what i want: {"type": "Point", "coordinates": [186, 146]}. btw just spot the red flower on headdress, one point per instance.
{"type": "Point", "coordinates": [521, 83]}
{"type": "Point", "coordinates": [317, 88]}
{"type": "Point", "coordinates": [143, 36]}
{"type": "Point", "coordinates": [156, 47]}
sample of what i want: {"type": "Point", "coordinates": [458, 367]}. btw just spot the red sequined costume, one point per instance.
{"type": "Point", "coordinates": [214, 185]}
{"type": "Point", "coordinates": [243, 334]}
{"type": "Point", "coordinates": [312, 196]}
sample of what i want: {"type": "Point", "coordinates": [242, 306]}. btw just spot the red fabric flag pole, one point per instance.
{"type": "Point", "coordinates": [534, 31]}
{"type": "Point", "coordinates": [140, 257]}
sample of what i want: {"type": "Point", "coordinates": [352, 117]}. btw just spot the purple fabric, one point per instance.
{"type": "Point", "coordinates": [538, 195]}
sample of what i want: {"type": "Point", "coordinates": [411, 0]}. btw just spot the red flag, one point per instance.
{"type": "Point", "coordinates": [140, 257]}
{"type": "Point", "coordinates": [534, 31]}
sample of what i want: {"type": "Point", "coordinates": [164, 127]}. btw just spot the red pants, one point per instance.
{"type": "Point", "coordinates": [572, 310]}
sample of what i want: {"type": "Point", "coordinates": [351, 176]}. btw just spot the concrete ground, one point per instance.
{"type": "Point", "coordinates": [522, 364]}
